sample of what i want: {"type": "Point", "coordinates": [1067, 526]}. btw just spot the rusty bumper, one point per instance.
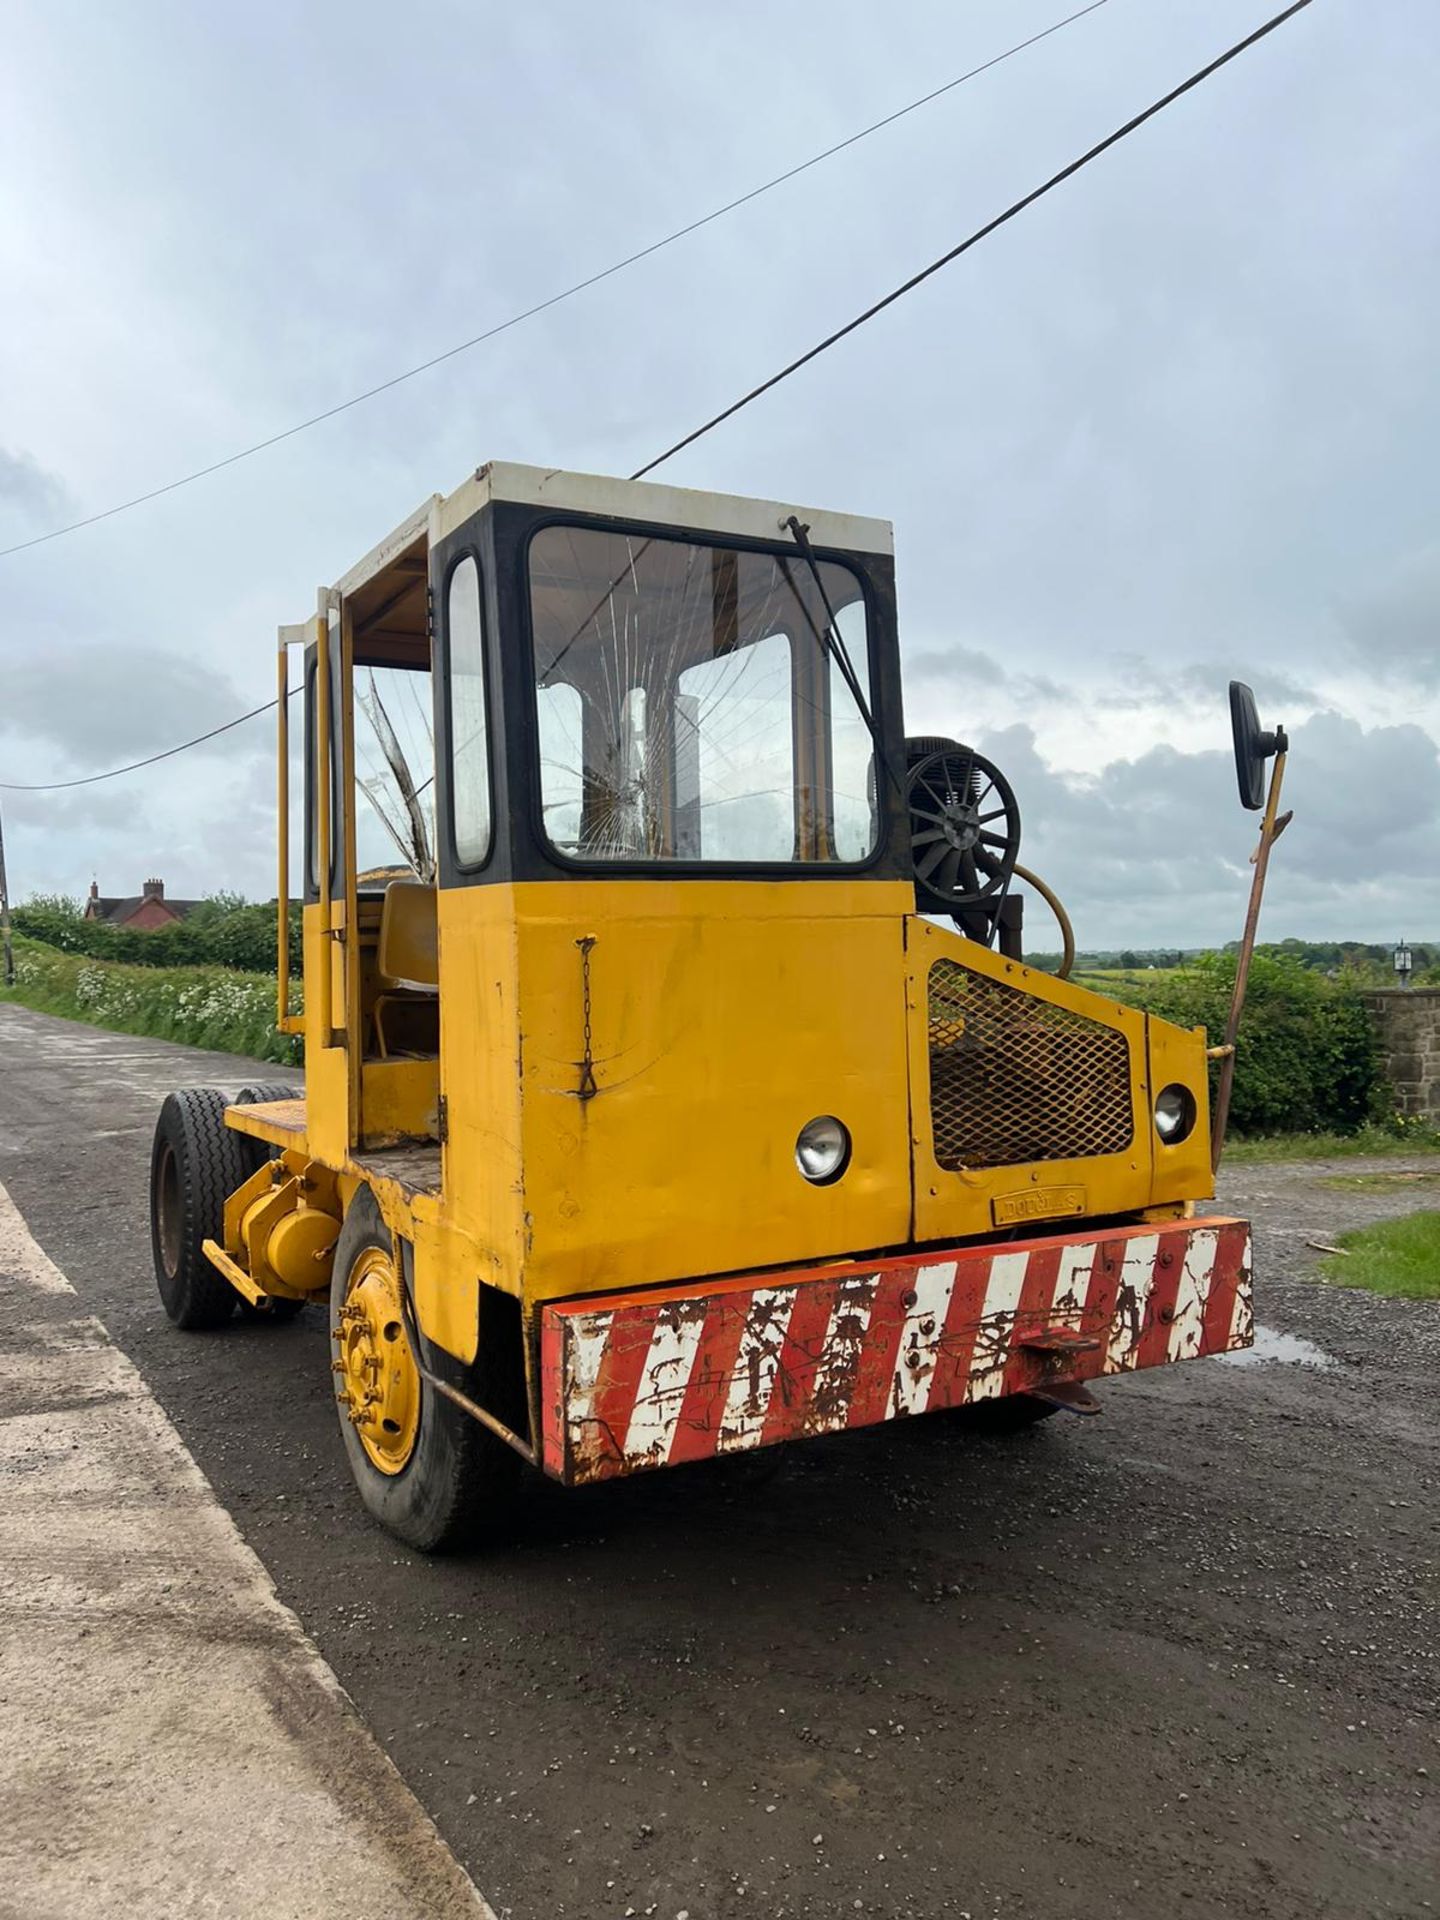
{"type": "Point", "coordinates": [651, 1379]}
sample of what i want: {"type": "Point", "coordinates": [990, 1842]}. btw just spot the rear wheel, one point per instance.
{"type": "Point", "coordinates": [425, 1468]}
{"type": "Point", "coordinates": [196, 1163]}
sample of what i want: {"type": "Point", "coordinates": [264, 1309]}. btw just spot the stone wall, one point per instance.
{"type": "Point", "coordinates": [1408, 1023]}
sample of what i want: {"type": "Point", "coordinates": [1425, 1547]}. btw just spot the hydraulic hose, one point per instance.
{"type": "Point", "coordinates": [1062, 918]}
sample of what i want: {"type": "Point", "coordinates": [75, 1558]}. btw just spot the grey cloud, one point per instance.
{"type": "Point", "coordinates": [105, 705]}
{"type": "Point", "coordinates": [1395, 629]}
{"type": "Point", "coordinates": [37, 497]}
{"type": "Point", "coordinates": [967, 667]}
{"type": "Point", "coordinates": [1155, 850]}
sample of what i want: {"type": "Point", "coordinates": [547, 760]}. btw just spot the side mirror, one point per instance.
{"type": "Point", "coordinates": [1253, 746]}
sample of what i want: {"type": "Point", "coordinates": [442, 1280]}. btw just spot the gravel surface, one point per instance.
{"type": "Point", "coordinates": [1179, 1659]}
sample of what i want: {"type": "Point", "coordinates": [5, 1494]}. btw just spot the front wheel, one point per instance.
{"type": "Point", "coordinates": [426, 1469]}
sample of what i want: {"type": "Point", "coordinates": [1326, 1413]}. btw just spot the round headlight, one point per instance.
{"type": "Point", "coordinates": [1174, 1114]}
{"type": "Point", "coordinates": [822, 1150]}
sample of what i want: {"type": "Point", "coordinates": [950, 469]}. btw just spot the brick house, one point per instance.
{"type": "Point", "coordinates": [143, 912]}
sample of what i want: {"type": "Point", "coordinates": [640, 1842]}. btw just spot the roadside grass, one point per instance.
{"type": "Point", "coordinates": [1397, 1258]}
{"type": "Point", "coordinates": [211, 1007]}
{"type": "Point", "coordinates": [1401, 1137]}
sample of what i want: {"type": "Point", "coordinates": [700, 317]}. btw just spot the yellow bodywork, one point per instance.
{"type": "Point", "coordinates": [616, 1071]}
{"type": "Point", "coordinates": [722, 1015]}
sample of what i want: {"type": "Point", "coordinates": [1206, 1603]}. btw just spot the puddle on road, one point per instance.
{"type": "Point", "coordinates": [1287, 1348]}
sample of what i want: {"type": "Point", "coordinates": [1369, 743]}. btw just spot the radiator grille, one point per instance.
{"type": "Point", "coordinates": [1014, 1079]}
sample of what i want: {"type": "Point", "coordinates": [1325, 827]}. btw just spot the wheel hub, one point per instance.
{"type": "Point", "coordinates": [378, 1382]}
{"type": "Point", "coordinates": [960, 823]}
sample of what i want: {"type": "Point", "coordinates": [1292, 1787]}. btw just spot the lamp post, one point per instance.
{"type": "Point", "coordinates": [1403, 963]}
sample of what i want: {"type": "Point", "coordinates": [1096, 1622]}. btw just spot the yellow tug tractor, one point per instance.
{"type": "Point", "coordinates": [650, 1112]}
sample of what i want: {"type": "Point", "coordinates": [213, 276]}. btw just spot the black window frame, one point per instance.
{"type": "Point", "coordinates": [641, 868]}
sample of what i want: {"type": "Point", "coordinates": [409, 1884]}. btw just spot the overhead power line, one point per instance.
{"type": "Point", "coordinates": [975, 238]}
{"type": "Point", "coordinates": [554, 299]}
{"type": "Point", "coordinates": [814, 352]}
{"type": "Point", "coordinates": [90, 779]}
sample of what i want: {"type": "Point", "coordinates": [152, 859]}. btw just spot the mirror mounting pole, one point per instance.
{"type": "Point", "coordinates": [1271, 827]}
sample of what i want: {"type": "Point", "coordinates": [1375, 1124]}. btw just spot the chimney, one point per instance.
{"type": "Point", "coordinates": [153, 890]}
{"type": "Point", "coordinates": [94, 889]}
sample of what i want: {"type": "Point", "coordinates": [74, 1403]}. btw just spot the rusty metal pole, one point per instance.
{"type": "Point", "coordinates": [1271, 827]}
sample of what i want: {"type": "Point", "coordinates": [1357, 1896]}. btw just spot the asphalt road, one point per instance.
{"type": "Point", "coordinates": [1181, 1659]}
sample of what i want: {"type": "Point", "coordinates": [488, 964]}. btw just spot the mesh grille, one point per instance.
{"type": "Point", "coordinates": [1014, 1079]}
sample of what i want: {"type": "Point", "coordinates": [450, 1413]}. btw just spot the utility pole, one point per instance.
{"type": "Point", "coordinates": [5, 912]}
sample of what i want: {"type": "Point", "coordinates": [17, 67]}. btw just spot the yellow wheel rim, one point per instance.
{"type": "Point", "coordinates": [379, 1385]}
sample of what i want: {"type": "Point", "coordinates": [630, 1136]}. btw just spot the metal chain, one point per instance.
{"type": "Point", "coordinates": [587, 1089]}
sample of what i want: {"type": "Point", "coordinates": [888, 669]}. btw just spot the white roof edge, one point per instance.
{"type": "Point", "coordinates": [647, 500]}
{"type": "Point", "coordinates": [393, 543]}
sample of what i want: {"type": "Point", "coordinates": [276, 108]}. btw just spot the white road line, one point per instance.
{"type": "Point", "coordinates": [164, 1713]}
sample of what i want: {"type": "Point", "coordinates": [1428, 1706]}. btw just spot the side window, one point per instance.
{"type": "Point", "coordinates": [469, 740]}
{"type": "Point", "coordinates": [855, 825]}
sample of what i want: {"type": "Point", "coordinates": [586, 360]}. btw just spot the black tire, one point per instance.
{"type": "Point", "coordinates": [196, 1163]}
{"type": "Point", "coordinates": [1012, 1413]}
{"type": "Point", "coordinates": [460, 1484]}
{"type": "Point", "coordinates": [257, 1152]}
{"type": "Point", "coordinates": [260, 1092]}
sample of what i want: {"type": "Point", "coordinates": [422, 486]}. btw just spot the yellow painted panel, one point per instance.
{"type": "Point", "coordinates": [948, 1204]}
{"type": "Point", "coordinates": [1181, 1172]}
{"type": "Point", "coordinates": [480, 1075]}
{"type": "Point", "coordinates": [399, 1100]}
{"type": "Point", "coordinates": [327, 1082]}
{"type": "Point", "coordinates": [724, 1015]}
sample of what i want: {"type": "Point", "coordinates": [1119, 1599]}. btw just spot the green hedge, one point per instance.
{"type": "Point", "coordinates": [223, 932]}
{"type": "Point", "coordinates": [211, 1007]}
{"type": "Point", "coordinates": [1308, 1060]}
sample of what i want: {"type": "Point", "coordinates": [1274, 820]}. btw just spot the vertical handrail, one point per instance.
{"type": "Point", "coordinates": [282, 880]}
{"type": "Point", "coordinates": [1269, 833]}
{"type": "Point", "coordinates": [323, 857]}
{"type": "Point", "coordinates": [350, 923]}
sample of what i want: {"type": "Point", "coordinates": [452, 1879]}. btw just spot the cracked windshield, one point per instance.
{"type": "Point", "coordinates": [689, 709]}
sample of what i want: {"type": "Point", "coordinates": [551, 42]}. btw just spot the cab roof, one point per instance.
{"type": "Point", "coordinates": [688, 508]}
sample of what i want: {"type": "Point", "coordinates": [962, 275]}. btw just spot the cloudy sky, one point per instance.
{"type": "Point", "coordinates": [1175, 424]}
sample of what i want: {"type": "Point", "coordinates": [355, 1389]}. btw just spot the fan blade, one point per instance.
{"type": "Point", "coordinates": [971, 877]}
{"type": "Point", "coordinates": [949, 874]}
{"type": "Point", "coordinates": [926, 836]}
{"type": "Point", "coordinates": [995, 840]}
{"type": "Point", "coordinates": [928, 862]}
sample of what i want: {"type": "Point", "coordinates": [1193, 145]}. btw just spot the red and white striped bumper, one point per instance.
{"type": "Point", "coordinates": [679, 1373]}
